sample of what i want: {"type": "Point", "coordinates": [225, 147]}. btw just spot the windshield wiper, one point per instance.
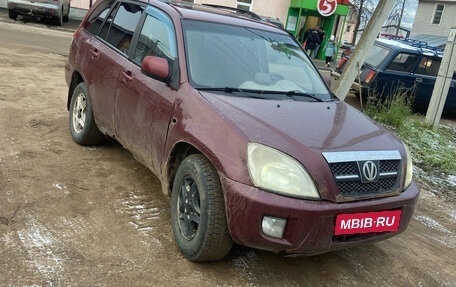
{"type": "Point", "coordinates": [302, 94]}
{"type": "Point", "coordinates": [291, 94]}
{"type": "Point", "coordinates": [220, 89]}
{"type": "Point", "coordinates": [231, 90]}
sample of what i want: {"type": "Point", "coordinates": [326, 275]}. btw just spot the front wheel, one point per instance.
{"type": "Point", "coordinates": [83, 128]}
{"type": "Point", "coordinates": [198, 211]}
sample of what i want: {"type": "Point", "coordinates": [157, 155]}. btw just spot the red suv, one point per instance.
{"type": "Point", "coordinates": [236, 122]}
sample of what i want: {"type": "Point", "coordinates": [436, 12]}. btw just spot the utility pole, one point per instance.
{"type": "Point", "coordinates": [442, 84]}
{"type": "Point", "coordinates": [90, 4]}
{"type": "Point", "coordinates": [362, 48]}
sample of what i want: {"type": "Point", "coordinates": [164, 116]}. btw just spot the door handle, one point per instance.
{"type": "Point", "coordinates": [418, 80]}
{"type": "Point", "coordinates": [127, 76]}
{"type": "Point", "coordinates": [95, 53]}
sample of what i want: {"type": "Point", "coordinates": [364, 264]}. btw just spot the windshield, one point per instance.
{"type": "Point", "coordinates": [244, 59]}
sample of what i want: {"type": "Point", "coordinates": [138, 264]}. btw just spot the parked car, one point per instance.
{"type": "Point", "coordinates": [404, 65]}
{"type": "Point", "coordinates": [58, 10]}
{"type": "Point", "coordinates": [238, 125]}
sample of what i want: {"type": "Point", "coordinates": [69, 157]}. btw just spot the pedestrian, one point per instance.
{"type": "Point", "coordinates": [303, 37]}
{"type": "Point", "coordinates": [312, 41]}
{"type": "Point", "coordinates": [330, 50]}
{"type": "Point", "coordinates": [321, 35]}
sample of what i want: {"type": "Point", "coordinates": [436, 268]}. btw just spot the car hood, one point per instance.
{"type": "Point", "coordinates": [289, 125]}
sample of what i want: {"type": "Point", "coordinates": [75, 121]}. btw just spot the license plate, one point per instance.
{"type": "Point", "coordinates": [380, 221]}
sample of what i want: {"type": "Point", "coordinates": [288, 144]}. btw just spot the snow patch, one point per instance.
{"type": "Point", "coordinates": [39, 243]}
{"type": "Point", "coordinates": [59, 186]}
{"type": "Point", "coordinates": [432, 223]}
{"type": "Point", "coordinates": [451, 179]}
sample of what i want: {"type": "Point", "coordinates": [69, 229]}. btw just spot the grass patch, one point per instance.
{"type": "Point", "coordinates": [392, 112]}
{"type": "Point", "coordinates": [433, 151]}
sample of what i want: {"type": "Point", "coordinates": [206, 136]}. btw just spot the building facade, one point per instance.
{"type": "Point", "coordinates": [433, 21]}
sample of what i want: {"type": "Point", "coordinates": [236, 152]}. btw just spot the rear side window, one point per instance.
{"type": "Point", "coordinates": [403, 62]}
{"type": "Point", "coordinates": [119, 30]}
{"type": "Point", "coordinates": [428, 66]}
{"type": "Point", "coordinates": [98, 16]}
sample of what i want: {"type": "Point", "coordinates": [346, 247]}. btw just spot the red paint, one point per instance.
{"type": "Point", "coordinates": [382, 221]}
{"type": "Point", "coordinates": [326, 7]}
{"type": "Point", "coordinates": [343, 2]}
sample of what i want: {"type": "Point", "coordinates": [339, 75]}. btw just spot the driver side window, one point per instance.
{"type": "Point", "coordinates": [157, 38]}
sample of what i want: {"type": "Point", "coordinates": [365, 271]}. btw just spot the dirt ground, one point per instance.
{"type": "Point", "coordinates": [93, 216]}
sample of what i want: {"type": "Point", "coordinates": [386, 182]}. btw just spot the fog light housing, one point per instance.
{"type": "Point", "coordinates": [273, 226]}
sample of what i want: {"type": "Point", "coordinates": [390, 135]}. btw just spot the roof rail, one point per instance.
{"type": "Point", "coordinates": [423, 46]}
{"type": "Point", "coordinates": [236, 10]}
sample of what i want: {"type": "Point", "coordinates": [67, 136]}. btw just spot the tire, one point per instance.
{"type": "Point", "coordinates": [12, 15]}
{"type": "Point", "coordinates": [83, 128]}
{"type": "Point", "coordinates": [198, 211]}
{"type": "Point", "coordinates": [67, 16]}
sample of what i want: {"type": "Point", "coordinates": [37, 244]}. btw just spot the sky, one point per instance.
{"type": "Point", "coordinates": [409, 13]}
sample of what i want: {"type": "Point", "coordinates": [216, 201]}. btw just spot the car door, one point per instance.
{"type": "Point", "coordinates": [108, 54]}
{"type": "Point", "coordinates": [397, 75]}
{"type": "Point", "coordinates": [426, 74]}
{"type": "Point", "coordinates": [143, 105]}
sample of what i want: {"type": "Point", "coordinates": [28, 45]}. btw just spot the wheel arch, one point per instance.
{"type": "Point", "coordinates": [76, 78]}
{"type": "Point", "coordinates": [180, 151]}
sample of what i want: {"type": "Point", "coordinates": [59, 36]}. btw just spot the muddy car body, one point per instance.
{"type": "Point", "coordinates": [238, 125]}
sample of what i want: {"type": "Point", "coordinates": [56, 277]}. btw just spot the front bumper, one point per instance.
{"type": "Point", "coordinates": [33, 9]}
{"type": "Point", "coordinates": [310, 224]}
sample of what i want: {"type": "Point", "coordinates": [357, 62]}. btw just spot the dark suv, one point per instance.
{"type": "Point", "coordinates": [238, 125]}
{"type": "Point", "coordinates": [402, 66]}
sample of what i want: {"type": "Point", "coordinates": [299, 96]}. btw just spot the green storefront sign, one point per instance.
{"type": "Point", "coordinates": [304, 14]}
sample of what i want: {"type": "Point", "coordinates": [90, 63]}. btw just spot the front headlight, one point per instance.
{"type": "Point", "coordinates": [275, 171]}
{"type": "Point", "coordinates": [409, 167]}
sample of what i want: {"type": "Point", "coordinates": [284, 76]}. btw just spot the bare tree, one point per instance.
{"type": "Point", "coordinates": [401, 10]}
{"type": "Point", "coordinates": [362, 11]}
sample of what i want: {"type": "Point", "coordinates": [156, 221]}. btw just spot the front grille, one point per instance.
{"type": "Point", "coordinates": [346, 168]}
{"type": "Point", "coordinates": [357, 188]}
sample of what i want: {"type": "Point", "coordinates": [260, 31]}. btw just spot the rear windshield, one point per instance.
{"type": "Point", "coordinates": [220, 56]}
{"type": "Point", "coordinates": [376, 55]}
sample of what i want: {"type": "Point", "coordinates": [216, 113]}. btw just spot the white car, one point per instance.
{"type": "Point", "coordinates": [58, 10]}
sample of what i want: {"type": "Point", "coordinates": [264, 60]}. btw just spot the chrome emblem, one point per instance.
{"type": "Point", "coordinates": [370, 171]}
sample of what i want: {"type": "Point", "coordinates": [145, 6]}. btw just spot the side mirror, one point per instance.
{"type": "Point", "coordinates": [155, 67]}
